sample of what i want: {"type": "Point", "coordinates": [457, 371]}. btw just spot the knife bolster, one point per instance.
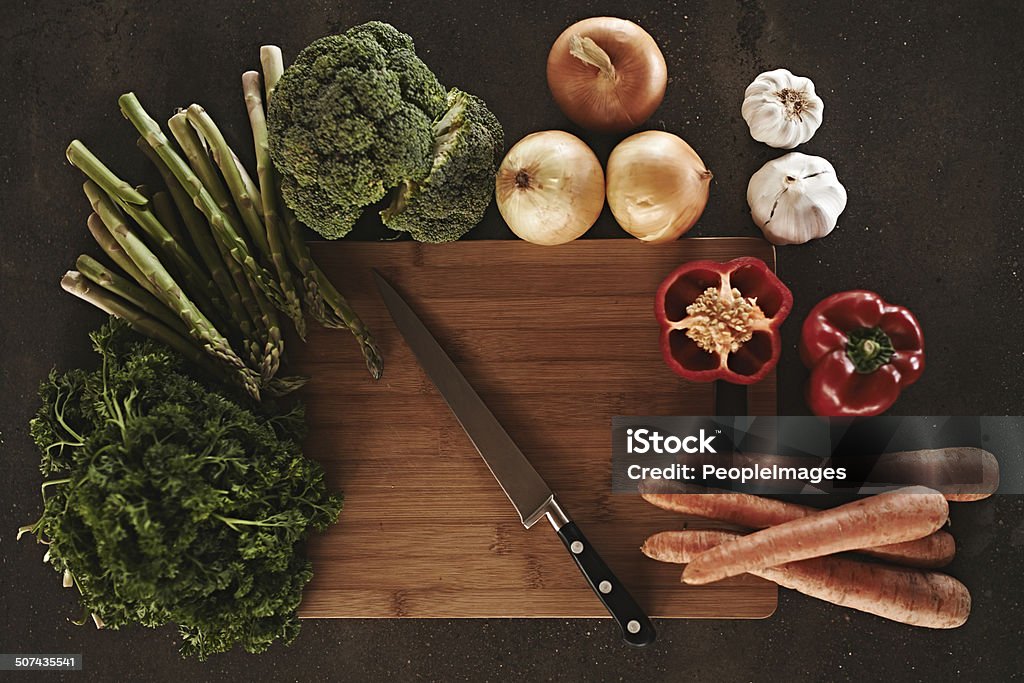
{"type": "Point", "coordinates": [550, 509]}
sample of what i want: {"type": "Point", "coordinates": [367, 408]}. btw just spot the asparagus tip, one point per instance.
{"type": "Point", "coordinates": [374, 363]}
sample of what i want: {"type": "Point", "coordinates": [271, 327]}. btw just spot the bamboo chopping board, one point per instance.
{"type": "Point", "coordinates": [557, 341]}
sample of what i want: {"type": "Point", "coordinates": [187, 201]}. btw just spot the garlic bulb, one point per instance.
{"type": "Point", "coordinates": [782, 109]}
{"type": "Point", "coordinates": [795, 198]}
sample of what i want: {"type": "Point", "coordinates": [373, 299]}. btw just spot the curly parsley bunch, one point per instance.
{"type": "Point", "coordinates": [168, 502]}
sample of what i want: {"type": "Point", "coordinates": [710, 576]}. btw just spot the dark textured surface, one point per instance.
{"type": "Point", "coordinates": [922, 122]}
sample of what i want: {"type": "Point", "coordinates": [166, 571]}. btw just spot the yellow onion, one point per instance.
{"type": "Point", "coordinates": [607, 74]}
{"type": "Point", "coordinates": [657, 186]}
{"type": "Point", "coordinates": [550, 188]}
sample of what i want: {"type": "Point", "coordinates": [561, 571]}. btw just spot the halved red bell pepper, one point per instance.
{"type": "Point", "coordinates": [721, 320]}
{"type": "Point", "coordinates": [862, 353]}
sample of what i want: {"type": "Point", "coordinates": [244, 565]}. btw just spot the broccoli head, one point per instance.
{"type": "Point", "coordinates": [452, 198]}
{"type": "Point", "coordinates": [350, 119]}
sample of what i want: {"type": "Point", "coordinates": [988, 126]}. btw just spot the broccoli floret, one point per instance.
{"type": "Point", "coordinates": [350, 119]}
{"type": "Point", "coordinates": [444, 206]}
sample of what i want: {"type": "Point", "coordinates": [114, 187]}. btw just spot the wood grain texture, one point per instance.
{"type": "Point", "coordinates": [557, 341]}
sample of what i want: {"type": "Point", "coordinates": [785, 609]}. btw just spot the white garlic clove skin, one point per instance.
{"type": "Point", "coordinates": [796, 198]}
{"type": "Point", "coordinates": [782, 110]}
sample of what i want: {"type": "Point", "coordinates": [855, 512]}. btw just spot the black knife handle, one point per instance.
{"type": "Point", "coordinates": [637, 629]}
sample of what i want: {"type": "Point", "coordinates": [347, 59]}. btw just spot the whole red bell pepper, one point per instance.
{"type": "Point", "coordinates": [721, 320]}
{"type": "Point", "coordinates": [862, 353]}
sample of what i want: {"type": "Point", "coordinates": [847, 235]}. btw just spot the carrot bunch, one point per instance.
{"type": "Point", "coordinates": [796, 548]}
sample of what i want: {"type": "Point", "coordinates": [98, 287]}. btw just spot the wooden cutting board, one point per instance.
{"type": "Point", "coordinates": [557, 341]}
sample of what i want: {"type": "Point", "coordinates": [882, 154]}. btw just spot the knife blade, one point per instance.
{"type": "Point", "coordinates": [525, 488]}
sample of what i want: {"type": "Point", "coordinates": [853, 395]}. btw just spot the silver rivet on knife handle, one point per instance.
{"type": "Point", "coordinates": [576, 547]}
{"type": "Point", "coordinates": [633, 626]}
{"type": "Point", "coordinates": [605, 587]}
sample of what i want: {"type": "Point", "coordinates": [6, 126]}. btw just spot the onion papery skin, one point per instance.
{"type": "Point", "coordinates": [658, 186]}
{"type": "Point", "coordinates": [550, 188]}
{"type": "Point", "coordinates": [587, 97]}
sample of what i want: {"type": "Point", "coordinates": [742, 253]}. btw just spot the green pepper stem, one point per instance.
{"type": "Point", "coordinates": [869, 348]}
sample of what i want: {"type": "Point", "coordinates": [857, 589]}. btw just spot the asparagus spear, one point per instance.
{"type": "Point", "coordinates": [341, 309]}
{"type": "Point", "coordinates": [225, 160]}
{"type": "Point", "coordinates": [199, 161]}
{"type": "Point", "coordinates": [99, 274]}
{"type": "Point", "coordinates": [280, 386]}
{"type": "Point", "coordinates": [167, 290]}
{"type": "Point", "coordinates": [199, 287]}
{"type": "Point", "coordinates": [112, 249]}
{"type": "Point", "coordinates": [74, 283]}
{"type": "Point", "coordinates": [246, 200]}
{"type": "Point", "coordinates": [169, 245]}
{"type": "Point", "coordinates": [249, 294]}
{"type": "Point", "coordinates": [261, 340]}
{"type": "Point", "coordinates": [268, 183]}
{"type": "Point", "coordinates": [206, 245]}
{"type": "Point", "coordinates": [163, 209]}
{"type": "Point", "coordinates": [272, 62]}
{"type": "Point", "coordinates": [324, 301]}
{"type": "Point", "coordinates": [264, 343]}
{"type": "Point", "coordinates": [273, 341]}
{"type": "Point", "coordinates": [123, 193]}
{"type": "Point", "coordinates": [219, 221]}
{"type": "Point", "coordinates": [251, 188]}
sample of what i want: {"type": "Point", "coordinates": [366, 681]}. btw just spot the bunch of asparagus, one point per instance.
{"type": "Point", "coordinates": [210, 262]}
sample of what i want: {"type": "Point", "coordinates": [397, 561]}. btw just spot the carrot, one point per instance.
{"type": "Point", "coordinates": [909, 596]}
{"type": "Point", "coordinates": [930, 552]}
{"type": "Point", "coordinates": [893, 517]}
{"type": "Point", "coordinates": [743, 509]}
{"type": "Point", "coordinates": [962, 474]}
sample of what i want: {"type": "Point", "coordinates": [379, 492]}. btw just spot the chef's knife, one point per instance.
{"type": "Point", "coordinates": [530, 496]}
